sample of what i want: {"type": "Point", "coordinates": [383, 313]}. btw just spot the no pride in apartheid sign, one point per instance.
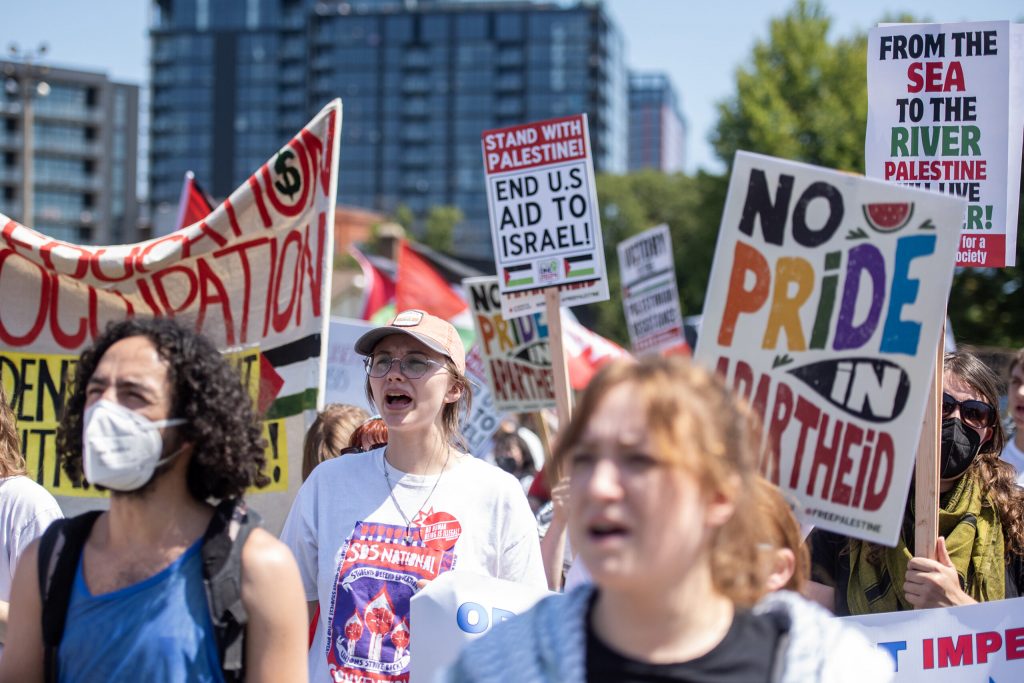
{"type": "Point", "coordinates": [650, 297]}
{"type": "Point", "coordinates": [981, 643]}
{"type": "Point", "coordinates": [515, 351]}
{"type": "Point", "coordinates": [829, 324]}
{"type": "Point", "coordinates": [946, 113]}
{"type": "Point", "coordinates": [545, 223]}
{"type": "Point", "coordinates": [254, 277]}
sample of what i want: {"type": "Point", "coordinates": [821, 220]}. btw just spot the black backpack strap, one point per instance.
{"type": "Point", "coordinates": [222, 572]}
{"type": "Point", "coordinates": [59, 550]}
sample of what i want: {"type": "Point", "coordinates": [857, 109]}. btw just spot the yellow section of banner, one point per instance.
{"type": "Point", "coordinates": [37, 385]}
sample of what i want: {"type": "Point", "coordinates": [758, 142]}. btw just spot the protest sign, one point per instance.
{"type": "Point", "coordinates": [456, 608]}
{"type": "Point", "coordinates": [545, 223]}
{"type": "Point", "coordinates": [981, 643]}
{"type": "Point", "coordinates": [254, 277]}
{"type": "Point", "coordinates": [650, 297]}
{"type": "Point", "coordinates": [515, 351]}
{"type": "Point", "coordinates": [479, 426]}
{"type": "Point", "coordinates": [946, 113]}
{"type": "Point", "coordinates": [828, 325]}
{"type": "Point", "coordinates": [346, 372]}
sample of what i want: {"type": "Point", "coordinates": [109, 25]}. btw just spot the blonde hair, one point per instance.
{"type": "Point", "coordinates": [12, 461]}
{"type": "Point", "coordinates": [695, 423]}
{"type": "Point", "coordinates": [330, 433]}
{"type": "Point", "coordinates": [781, 531]}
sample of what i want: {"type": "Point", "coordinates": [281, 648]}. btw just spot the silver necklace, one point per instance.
{"type": "Point", "coordinates": [391, 493]}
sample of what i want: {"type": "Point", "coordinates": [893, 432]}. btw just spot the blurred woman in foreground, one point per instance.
{"type": "Point", "coordinates": [663, 468]}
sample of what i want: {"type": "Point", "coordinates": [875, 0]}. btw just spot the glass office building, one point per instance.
{"type": "Point", "coordinates": [84, 149]}
{"type": "Point", "coordinates": [419, 82]}
{"type": "Point", "coordinates": [657, 131]}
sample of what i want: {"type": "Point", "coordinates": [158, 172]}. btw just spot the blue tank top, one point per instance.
{"type": "Point", "coordinates": [156, 630]}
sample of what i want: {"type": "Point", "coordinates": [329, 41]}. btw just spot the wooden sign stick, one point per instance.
{"type": "Point", "coordinates": [926, 474]}
{"type": "Point", "coordinates": [563, 392]}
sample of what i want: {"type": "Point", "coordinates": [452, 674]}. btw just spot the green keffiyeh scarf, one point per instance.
{"type": "Point", "coordinates": [974, 539]}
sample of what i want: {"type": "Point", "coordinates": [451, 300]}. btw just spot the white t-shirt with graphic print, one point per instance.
{"type": "Point", "coordinates": [359, 560]}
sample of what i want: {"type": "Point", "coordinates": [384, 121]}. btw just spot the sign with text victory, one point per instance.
{"type": "Point", "coordinates": [650, 297]}
{"type": "Point", "coordinates": [946, 113]}
{"type": "Point", "coordinates": [828, 324]}
{"type": "Point", "coordinates": [545, 223]}
{"type": "Point", "coordinates": [254, 277]}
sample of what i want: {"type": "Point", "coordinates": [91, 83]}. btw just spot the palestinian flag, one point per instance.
{"type": "Point", "coordinates": [194, 205]}
{"type": "Point", "coordinates": [518, 276]}
{"type": "Point", "coordinates": [580, 266]}
{"type": "Point", "coordinates": [378, 286]}
{"type": "Point", "coordinates": [420, 286]}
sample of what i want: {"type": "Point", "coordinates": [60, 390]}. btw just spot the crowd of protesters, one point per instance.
{"type": "Point", "coordinates": [670, 556]}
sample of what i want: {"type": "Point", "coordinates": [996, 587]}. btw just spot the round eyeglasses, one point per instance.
{"type": "Point", "coordinates": [412, 366]}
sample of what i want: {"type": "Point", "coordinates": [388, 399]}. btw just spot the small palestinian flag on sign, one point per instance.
{"type": "Point", "coordinates": [519, 276]}
{"type": "Point", "coordinates": [580, 266]}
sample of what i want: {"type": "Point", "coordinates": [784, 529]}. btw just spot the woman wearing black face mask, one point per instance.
{"type": "Point", "coordinates": [980, 552]}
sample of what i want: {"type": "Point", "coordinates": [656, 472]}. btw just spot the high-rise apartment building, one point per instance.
{"type": "Point", "coordinates": [84, 147]}
{"type": "Point", "coordinates": [419, 82]}
{"type": "Point", "coordinates": [657, 130]}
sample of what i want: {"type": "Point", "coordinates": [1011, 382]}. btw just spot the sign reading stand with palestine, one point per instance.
{"type": "Point", "coordinates": [828, 324]}
{"type": "Point", "coordinates": [946, 114]}
{"type": "Point", "coordinates": [545, 223]}
{"type": "Point", "coordinates": [650, 297]}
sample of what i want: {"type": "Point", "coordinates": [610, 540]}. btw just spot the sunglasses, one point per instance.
{"type": "Point", "coordinates": [413, 366]}
{"type": "Point", "coordinates": [977, 414]}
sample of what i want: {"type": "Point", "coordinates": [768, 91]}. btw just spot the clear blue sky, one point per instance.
{"type": "Point", "coordinates": [698, 43]}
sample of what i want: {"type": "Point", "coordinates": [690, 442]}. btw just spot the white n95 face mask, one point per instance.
{"type": "Point", "coordinates": [121, 449]}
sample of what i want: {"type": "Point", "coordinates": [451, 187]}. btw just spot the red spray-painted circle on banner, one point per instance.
{"type": "Point", "coordinates": [440, 531]}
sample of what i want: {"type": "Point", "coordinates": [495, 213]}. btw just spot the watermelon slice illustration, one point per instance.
{"type": "Point", "coordinates": [888, 217]}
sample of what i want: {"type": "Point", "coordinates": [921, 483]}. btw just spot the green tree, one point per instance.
{"type": "Point", "coordinates": [690, 205]}
{"type": "Point", "coordinates": [439, 230]}
{"type": "Point", "coordinates": [802, 97]}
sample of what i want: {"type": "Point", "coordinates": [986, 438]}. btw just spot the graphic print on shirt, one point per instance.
{"type": "Point", "coordinates": [368, 629]}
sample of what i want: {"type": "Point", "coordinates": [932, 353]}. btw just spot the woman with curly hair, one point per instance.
{"type": "Point", "coordinates": [663, 469]}
{"type": "Point", "coordinates": [26, 508]}
{"type": "Point", "coordinates": [980, 550]}
{"type": "Point", "coordinates": [160, 419]}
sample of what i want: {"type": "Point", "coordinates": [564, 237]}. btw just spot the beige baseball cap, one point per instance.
{"type": "Point", "coordinates": [435, 333]}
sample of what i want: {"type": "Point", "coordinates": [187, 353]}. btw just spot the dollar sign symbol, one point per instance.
{"type": "Point", "coordinates": [292, 180]}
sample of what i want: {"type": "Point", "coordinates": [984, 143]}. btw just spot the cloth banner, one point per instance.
{"type": "Point", "coordinates": [456, 608]}
{"type": "Point", "coordinates": [981, 643]}
{"type": "Point", "coordinates": [253, 277]}
{"type": "Point", "coordinates": [828, 323]}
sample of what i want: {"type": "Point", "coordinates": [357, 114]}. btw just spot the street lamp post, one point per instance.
{"type": "Point", "coordinates": [31, 82]}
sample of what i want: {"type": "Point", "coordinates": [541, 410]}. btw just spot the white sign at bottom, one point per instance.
{"type": "Point", "coordinates": [458, 607]}
{"type": "Point", "coordinates": [973, 644]}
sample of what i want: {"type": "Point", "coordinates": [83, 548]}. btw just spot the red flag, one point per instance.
{"type": "Point", "coordinates": [586, 351]}
{"type": "Point", "coordinates": [378, 290]}
{"type": "Point", "coordinates": [420, 286]}
{"type": "Point", "coordinates": [194, 205]}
